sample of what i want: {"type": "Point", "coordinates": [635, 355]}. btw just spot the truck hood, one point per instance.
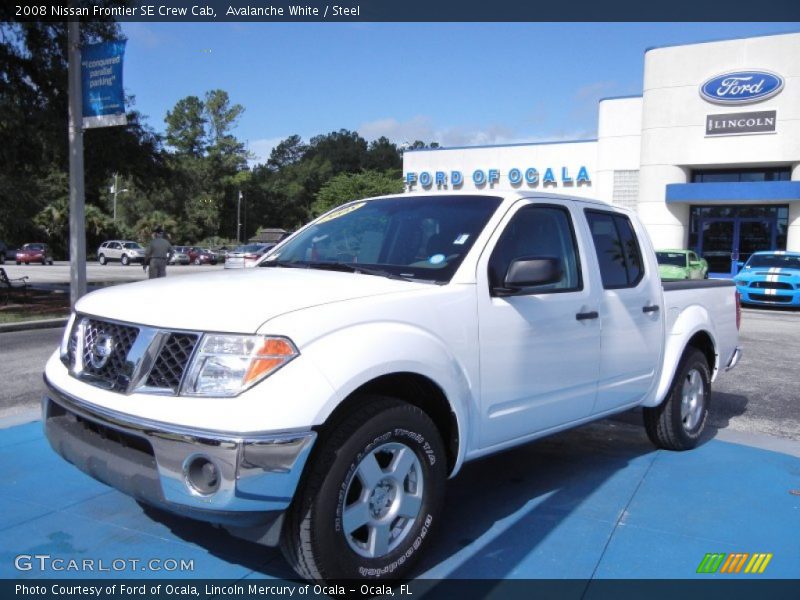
{"type": "Point", "coordinates": [233, 301]}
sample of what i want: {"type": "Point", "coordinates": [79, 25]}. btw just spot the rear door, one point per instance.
{"type": "Point", "coordinates": [539, 348]}
{"type": "Point", "coordinates": [631, 311]}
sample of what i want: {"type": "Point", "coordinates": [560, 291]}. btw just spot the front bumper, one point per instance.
{"type": "Point", "coordinates": [152, 461]}
{"type": "Point", "coordinates": [769, 297]}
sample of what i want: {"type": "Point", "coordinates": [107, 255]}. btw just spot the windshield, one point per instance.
{"type": "Point", "coordinates": [32, 247]}
{"type": "Point", "coordinates": [674, 259]}
{"type": "Point", "coordinates": [781, 261]}
{"type": "Point", "coordinates": [131, 245]}
{"type": "Point", "coordinates": [423, 238]}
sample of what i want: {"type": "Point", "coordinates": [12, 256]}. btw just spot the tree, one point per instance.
{"type": "Point", "coordinates": [186, 126]}
{"type": "Point", "coordinates": [346, 187]}
{"type": "Point", "coordinates": [288, 152]}
{"type": "Point", "coordinates": [383, 155]}
{"type": "Point", "coordinates": [345, 150]}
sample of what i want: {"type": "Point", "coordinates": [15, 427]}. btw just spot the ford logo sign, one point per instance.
{"type": "Point", "coordinates": [741, 87]}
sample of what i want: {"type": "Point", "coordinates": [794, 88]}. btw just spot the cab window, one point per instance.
{"type": "Point", "coordinates": [538, 232]}
{"type": "Point", "coordinates": [617, 249]}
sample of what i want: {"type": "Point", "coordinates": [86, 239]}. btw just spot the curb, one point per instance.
{"type": "Point", "coordinates": [38, 324]}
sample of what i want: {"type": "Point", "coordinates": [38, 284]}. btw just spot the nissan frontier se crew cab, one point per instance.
{"type": "Point", "coordinates": [373, 353]}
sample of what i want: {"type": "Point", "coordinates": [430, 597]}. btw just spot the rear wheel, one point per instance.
{"type": "Point", "coordinates": [197, 261]}
{"type": "Point", "coordinates": [125, 260]}
{"type": "Point", "coordinates": [101, 259]}
{"type": "Point", "coordinates": [679, 421]}
{"type": "Point", "coordinates": [373, 493]}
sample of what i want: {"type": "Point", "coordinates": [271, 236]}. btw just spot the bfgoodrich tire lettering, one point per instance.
{"type": "Point", "coordinates": [679, 421]}
{"type": "Point", "coordinates": [372, 497]}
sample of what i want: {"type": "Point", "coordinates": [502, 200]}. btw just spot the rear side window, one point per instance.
{"type": "Point", "coordinates": [617, 249]}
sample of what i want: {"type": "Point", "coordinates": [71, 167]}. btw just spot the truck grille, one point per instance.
{"type": "Point", "coordinates": [106, 354]}
{"type": "Point", "coordinates": [118, 340]}
{"type": "Point", "coordinates": [168, 370]}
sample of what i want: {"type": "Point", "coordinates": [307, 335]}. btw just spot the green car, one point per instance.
{"type": "Point", "coordinates": [681, 264]}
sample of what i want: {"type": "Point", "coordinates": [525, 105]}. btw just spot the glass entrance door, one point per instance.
{"type": "Point", "coordinates": [725, 242]}
{"type": "Point", "coordinates": [716, 243]}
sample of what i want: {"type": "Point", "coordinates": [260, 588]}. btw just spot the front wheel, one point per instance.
{"type": "Point", "coordinates": [125, 260]}
{"type": "Point", "coordinates": [679, 421]}
{"type": "Point", "coordinates": [372, 497]}
{"type": "Point", "coordinates": [101, 259]}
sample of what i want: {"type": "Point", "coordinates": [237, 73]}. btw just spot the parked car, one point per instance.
{"type": "Point", "coordinates": [180, 255]}
{"type": "Point", "coordinates": [372, 354]}
{"type": "Point", "coordinates": [203, 256]}
{"type": "Point", "coordinates": [770, 278]}
{"type": "Point", "coordinates": [681, 264]}
{"type": "Point", "coordinates": [123, 251]}
{"type": "Point", "coordinates": [35, 252]}
{"type": "Point", "coordinates": [246, 256]}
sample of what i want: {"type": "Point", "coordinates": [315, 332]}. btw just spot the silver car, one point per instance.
{"type": "Point", "coordinates": [180, 255]}
{"type": "Point", "coordinates": [124, 251]}
{"type": "Point", "coordinates": [246, 256]}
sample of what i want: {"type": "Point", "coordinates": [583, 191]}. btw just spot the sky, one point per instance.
{"type": "Point", "coordinates": [452, 83]}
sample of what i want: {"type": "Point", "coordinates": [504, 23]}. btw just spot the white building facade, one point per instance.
{"type": "Point", "coordinates": [708, 155]}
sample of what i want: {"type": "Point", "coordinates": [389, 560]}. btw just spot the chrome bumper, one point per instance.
{"type": "Point", "coordinates": [256, 475]}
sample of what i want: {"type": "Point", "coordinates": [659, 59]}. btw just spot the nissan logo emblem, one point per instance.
{"type": "Point", "coordinates": [102, 350]}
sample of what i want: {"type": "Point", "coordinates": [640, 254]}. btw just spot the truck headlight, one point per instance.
{"type": "Point", "coordinates": [226, 365]}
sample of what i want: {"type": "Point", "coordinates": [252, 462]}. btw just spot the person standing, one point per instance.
{"type": "Point", "coordinates": [158, 253]}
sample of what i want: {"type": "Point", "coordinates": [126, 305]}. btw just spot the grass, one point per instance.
{"type": "Point", "coordinates": [35, 306]}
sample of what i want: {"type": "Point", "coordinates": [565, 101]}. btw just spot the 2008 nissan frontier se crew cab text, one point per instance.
{"type": "Point", "coordinates": [320, 400]}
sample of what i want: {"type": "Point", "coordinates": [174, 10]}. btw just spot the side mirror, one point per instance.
{"type": "Point", "coordinates": [529, 271]}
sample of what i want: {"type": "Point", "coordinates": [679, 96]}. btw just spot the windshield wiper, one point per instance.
{"type": "Point", "coordinates": [283, 263]}
{"type": "Point", "coordinates": [356, 268]}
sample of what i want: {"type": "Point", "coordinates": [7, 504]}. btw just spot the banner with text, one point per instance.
{"type": "Point", "coordinates": [101, 76]}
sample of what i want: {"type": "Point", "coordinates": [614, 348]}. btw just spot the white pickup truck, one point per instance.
{"type": "Point", "coordinates": [320, 400]}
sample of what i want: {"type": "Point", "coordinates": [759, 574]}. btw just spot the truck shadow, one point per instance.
{"type": "Point", "coordinates": [499, 509]}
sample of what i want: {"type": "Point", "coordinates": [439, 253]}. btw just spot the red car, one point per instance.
{"type": "Point", "coordinates": [31, 253]}
{"type": "Point", "coordinates": [202, 256]}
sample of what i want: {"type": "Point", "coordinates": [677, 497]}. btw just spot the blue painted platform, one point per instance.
{"type": "Point", "coordinates": [596, 502]}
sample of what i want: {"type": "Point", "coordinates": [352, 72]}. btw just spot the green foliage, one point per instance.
{"type": "Point", "coordinates": [191, 187]}
{"type": "Point", "coordinates": [355, 186]}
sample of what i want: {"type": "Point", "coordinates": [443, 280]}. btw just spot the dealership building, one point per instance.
{"type": "Point", "coordinates": [708, 155]}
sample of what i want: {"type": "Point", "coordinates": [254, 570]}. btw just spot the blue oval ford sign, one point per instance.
{"type": "Point", "coordinates": [741, 87]}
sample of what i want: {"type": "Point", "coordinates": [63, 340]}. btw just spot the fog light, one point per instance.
{"type": "Point", "coordinates": [202, 475]}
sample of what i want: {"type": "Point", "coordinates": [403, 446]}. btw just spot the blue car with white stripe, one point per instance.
{"type": "Point", "coordinates": [770, 278]}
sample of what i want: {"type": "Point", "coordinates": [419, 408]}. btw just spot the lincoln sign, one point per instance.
{"type": "Point", "coordinates": [741, 123]}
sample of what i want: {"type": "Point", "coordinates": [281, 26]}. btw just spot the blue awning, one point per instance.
{"type": "Point", "coordinates": [735, 192]}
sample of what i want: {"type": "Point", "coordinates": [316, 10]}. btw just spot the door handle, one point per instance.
{"type": "Point", "coordinates": [587, 315]}
{"type": "Point", "coordinates": [650, 309]}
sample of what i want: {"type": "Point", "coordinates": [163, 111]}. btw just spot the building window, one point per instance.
{"type": "Point", "coordinates": [741, 175]}
{"type": "Point", "coordinates": [626, 189]}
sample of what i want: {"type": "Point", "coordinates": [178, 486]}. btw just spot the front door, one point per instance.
{"type": "Point", "coordinates": [540, 345]}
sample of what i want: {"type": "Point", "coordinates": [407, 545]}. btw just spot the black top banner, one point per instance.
{"type": "Point", "coordinates": [405, 10]}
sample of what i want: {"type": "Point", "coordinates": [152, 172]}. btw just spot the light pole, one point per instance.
{"type": "Point", "coordinates": [116, 189]}
{"type": "Point", "coordinates": [239, 219]}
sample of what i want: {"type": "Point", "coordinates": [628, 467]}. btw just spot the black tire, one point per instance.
{"type": "Point", "coordinates": [2, 258]}
{"type": "Point", "coordinates": [101, 259]}
{"type": "Point", "coordinates": [125, 260]}
{"type": "Point", "coordinates": [50, 262]}
{"type": "Point", "coordinates": [316, 539]}
{"type": "Point", "coordinates": [679, 421]}
{"type": "Point", "coordinates": [18, 262]}
{"type": "Point", "coordinates": [44, 261]}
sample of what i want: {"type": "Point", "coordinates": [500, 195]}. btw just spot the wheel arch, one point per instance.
{"type": "Point", "coordinates": [415, 389]}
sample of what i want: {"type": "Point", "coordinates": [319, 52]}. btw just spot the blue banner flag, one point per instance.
{"type": "Point", "coordinates": [101, 76]}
